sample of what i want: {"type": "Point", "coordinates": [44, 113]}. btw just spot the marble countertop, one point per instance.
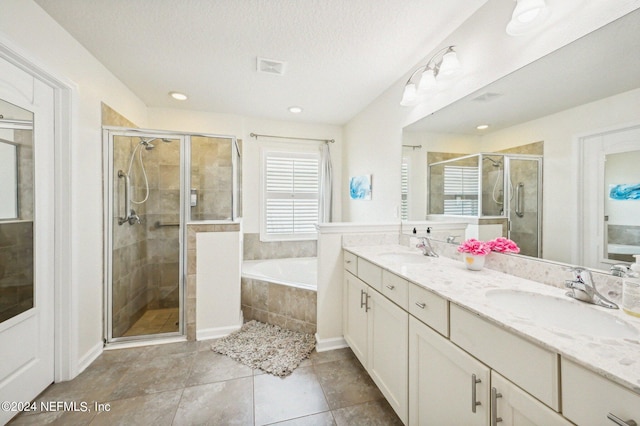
{"type": "Point", "coordinates": [617, 359]}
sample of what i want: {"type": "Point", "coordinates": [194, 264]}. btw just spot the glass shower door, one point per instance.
{"type": "Point", "coordinates": [145, 272]}
{"type": "Point", "coordinates": [525, 204]}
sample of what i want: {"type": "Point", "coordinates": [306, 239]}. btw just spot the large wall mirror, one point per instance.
{"type": "Point", "coordinates": [16, 210]}
{"type": "Point", "coordinates": [540, 111]}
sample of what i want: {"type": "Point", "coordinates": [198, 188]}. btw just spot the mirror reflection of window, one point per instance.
{"type": "Point", "coordinates": [16, 210]}
{"type": "Point", "coordinates": [622, 205]}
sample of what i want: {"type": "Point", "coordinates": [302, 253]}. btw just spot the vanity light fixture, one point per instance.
{"type": "Point", "coordinates": [443, 65]}
{"type": "Point", "coordinates": [527, 15]}
{"type": "Point", "coordinates": [178, 96]}
{"type": "Point", "coordinates": [482, 127]}
{"type": "Point", "coordinates": [295, 109]}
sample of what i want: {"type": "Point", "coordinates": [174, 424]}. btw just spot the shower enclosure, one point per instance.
{"type": "Point", "coordinates": [155, 183]}
{"type": "Point", "coordinates": [505, 187]}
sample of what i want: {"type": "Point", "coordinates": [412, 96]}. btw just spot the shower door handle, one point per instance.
{"type": "Point", "coordinates": [127, 198]}
{"type": "Point", "coordinates": [520, 200]}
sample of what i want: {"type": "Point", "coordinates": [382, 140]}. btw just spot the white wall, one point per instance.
{"type": "Point", "coordinates": [242, 127]}
{"type": "Point", "coordinates": [373, 138]}
{"type": "Point", "coordinates": [27, 29]}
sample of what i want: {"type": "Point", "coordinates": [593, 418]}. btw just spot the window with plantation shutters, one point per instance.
{"type": "Point", "coordinates": [291, 195]}
{"type": "Point", "coordinates": [404, 190]}
{"type": "Point", "coordinates": [461, 190]}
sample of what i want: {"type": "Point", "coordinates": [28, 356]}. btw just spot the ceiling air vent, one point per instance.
{"type": "Point", "coordinates": [487, 97]}
{"type": "Point", "coordinates": [270, 66]}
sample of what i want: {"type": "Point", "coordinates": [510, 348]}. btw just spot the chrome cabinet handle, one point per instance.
{"type": "Point", "coordinates": [366, 303]}
{"type": "Point", "coordinates": [474, 401]}
{"type": "Point", "coordinates": [494, 407]}
{"type": "Point", "coordinates": [391, 287]}
{"type": "Point", "coordinates": [347, 261]}
{"type": "Point", "coordinates": [617, 420]}
{"type": "Point", "coordinates": [362, 301]}
{"type": "Point", "coordinates": [421, 305]}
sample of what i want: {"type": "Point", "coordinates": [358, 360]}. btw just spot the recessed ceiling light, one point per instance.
{"type": "Point", "coordinates": [179, 96]}
{"type": "Point", "coordinates": [482, 127]}
{"type": "Point", "coordinates": [295, 110]}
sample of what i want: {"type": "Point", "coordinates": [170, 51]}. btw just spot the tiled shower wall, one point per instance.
{"type": "Point", "coordinates": [145, 263]}
{"type": "Point", "coordinates": [211, 178]}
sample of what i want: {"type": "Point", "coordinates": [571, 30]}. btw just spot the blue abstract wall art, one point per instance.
{"type": "Point", "coordinates": [624, 191]}
{"type": "Point", "coordinates": [360, 187]}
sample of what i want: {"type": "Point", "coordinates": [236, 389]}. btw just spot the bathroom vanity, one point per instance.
{"type": "Point", "coordinates": [446, 345]}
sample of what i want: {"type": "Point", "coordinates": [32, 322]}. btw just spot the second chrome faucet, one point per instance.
{"type": "Point", "coordinates": [582, 288]}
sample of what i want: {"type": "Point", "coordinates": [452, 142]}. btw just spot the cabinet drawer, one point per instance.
{"type": "Point", "coordinates": [527, 365]}
{"type": "Point", "coordinates": [587, 397]}
{"type": "Point", "coordinates": [370, 274]}
{"type": "Point", "coordinates": [429, 308]}
{"type": "Point", "coordinates": [351, 262]}
{"type": "Point", "coordinates": [395, 288]}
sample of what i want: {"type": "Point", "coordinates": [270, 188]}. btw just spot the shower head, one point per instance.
{"type": "Point", "coordinates": [495, 163]}
{"type": "Point", "coordinates": [147, 143]}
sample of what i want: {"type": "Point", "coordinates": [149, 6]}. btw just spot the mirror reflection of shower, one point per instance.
{"type": "Point", "coordinates": [475, 186]}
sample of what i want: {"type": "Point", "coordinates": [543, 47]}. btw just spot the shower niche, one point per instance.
{"type": "Point", "coordinates": [155, 183]}
{"type": "Point", "coordinates": [497, 188]}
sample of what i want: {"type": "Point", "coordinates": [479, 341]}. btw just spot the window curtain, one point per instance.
{"type": "Point", "coordinates": [326, 184]}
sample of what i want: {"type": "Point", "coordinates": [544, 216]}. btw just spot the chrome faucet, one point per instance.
{"type": "Point", "coordinates": [583, 288]}
{"type": "Point", "coordinates": [426, 247]}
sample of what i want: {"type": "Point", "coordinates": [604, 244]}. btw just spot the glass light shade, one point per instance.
{"type": "Point", "coordinates": [427, 81]}
{"type": "Point", "coordinates": [449, 66]}
{"type": "Point", "coordinates": [527, 15]}
{"type": "Point", "coordinates": [410, 95]}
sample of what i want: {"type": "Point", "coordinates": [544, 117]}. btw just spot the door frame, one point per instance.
{"type": "Point", "coordinates": [64, 288]}
{"type": "Point", "coordinates": [590, 228]}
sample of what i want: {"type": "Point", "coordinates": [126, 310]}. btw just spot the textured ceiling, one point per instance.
{"type": "Point", "coordinates": [340, 54]}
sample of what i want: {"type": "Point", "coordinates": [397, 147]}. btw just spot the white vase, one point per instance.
{"type": "Point", "coordinates": [473, 262]}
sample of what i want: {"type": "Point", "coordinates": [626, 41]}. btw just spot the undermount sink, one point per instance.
{"type": "Point", "coordinates": [566, 314]}
{"type": "Point", "coordinates": [403, 257]}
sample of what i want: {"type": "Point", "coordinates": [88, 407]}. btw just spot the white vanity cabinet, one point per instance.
{"type": "Point", "coordinates": [377, 331]}
{"type": "Point", "coordinates": [588, 398]}
{"type": "Point", "coordinates": [510, 405]}
{"type": "Point", "coordinates": [355, 321]}
{"type": "Point", "coordinates": [447, 386]}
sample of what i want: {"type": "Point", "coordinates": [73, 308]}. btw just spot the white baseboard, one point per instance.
{"type": "Point", "coordinates": [89, 357]}
{"type": "Point", "coordinates": [323, 345]}
{"type": "Point", "coordinates": [213, 333]}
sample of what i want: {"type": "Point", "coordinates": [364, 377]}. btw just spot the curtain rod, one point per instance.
{"type": "Point", "coordinates": [413, 146]}
{"type": "Point", "coordinates": [255, 135]}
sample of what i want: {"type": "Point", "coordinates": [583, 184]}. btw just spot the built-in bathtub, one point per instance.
{"type": "Point", "coordinates": [281, 292]}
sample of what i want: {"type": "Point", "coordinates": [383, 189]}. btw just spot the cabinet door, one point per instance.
{"type": "Point", "coordinates": [441, 381]}
{"type": "Point", "coordinates": [355, 316]}
{"type": "Point", "coordinates": [588, 398]}
{"type": "Point", "coordinates": [388, 351]}
{"type": "Point", "coordinates": [513, 406]}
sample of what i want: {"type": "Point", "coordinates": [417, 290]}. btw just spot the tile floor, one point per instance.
{"type": "Point", "coordinates": [155, 321]}
{"type": "Point", "coordinates": [188, 384]}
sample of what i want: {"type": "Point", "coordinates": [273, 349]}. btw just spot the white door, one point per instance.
{"type": "Point", "coordinates": [609, 225]}
{"type": "Point", "coordinates": [26, 239]}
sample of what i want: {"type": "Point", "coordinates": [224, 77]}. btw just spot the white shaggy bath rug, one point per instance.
{"type": "Point", "coordinates": [268, 347]}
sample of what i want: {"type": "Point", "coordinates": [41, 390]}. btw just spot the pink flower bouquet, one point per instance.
{"type": "Point", "coordinates": [503, 245]}
{"type": "Point", "coordinates": [475, 247]}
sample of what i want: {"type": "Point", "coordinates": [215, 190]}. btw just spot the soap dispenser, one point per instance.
{"type": "Point", "coordinates": [631, 289]}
